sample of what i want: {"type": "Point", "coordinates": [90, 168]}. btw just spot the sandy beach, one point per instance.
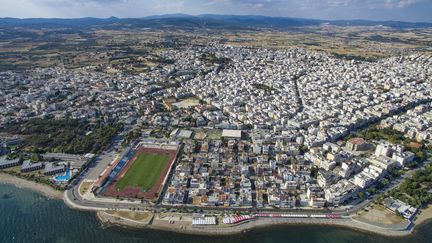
{"type": "Point", "coordinates": [37, 187]}
{"type": "Point", "coordinates": [424, 215]}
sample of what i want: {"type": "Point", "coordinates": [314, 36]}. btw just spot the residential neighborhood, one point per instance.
{"type": "Point", "coordinates": [267, 132]}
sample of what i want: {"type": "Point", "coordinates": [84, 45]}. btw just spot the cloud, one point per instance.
{"type": "Point", "coordinates": [411, 10]}
{"type": "Point", "coordinates": [313, 4]}
{"type": "Point", "coordinates": [76, 2]}
{"type": "Point", "coordinates": [390, 4]}
{"type": "Point", "coordinates": [357, 4]}
{"type": "Point", "coordinates": [215, 2]}
{"type": "Point", "coordinates": [169, 6]}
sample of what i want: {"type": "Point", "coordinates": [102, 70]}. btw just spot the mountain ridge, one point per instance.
{"type": "Point", "coordinates": [199, 21]}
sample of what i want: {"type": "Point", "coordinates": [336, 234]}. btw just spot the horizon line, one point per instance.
{"type": "Point", "coordinates": [208, 14]}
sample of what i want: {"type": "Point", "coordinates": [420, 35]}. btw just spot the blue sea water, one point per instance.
{"type": "Point", "coordinates": [26, 216]}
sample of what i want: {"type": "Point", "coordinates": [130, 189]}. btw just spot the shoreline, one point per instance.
{"type": "Point", "coordinates": [108, 220]}
{"type": "Point", "coordinates": [424, 216]}
{"type": "Point", "coordinates": [34, 186]}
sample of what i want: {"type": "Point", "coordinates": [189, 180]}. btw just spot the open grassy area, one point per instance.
{"type": "Point", "coordinates": [144, 172]}
{"type": "Point", "coordinates": [214, 134]}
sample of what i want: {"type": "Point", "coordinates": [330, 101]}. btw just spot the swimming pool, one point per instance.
{"type": "Point", "coordinates": [64, 177]}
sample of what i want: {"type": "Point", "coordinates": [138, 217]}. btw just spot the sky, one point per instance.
{"type": "Point", "coordinates": [402, 10]}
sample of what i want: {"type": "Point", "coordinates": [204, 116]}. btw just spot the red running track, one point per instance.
{"type": "Point", "coordinates": [135, 192]}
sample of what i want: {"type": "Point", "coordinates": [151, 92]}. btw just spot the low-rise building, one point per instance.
{"type": "Point", "coordinates": [28, 166]}
{"type": "Point", "coordinates": [404, 157]}
{"type": "Point", "coordinates": [383, 162]}
{"type": "Point", "coordinates": [404, 209]}
{"type": "Point", "coordinates": [233, 134]}
{"type": "Point", "coordinates": [6, 163]}
{"type": "Point", "coordinates": [52, 169]}
{"type": "Point", "coordinates": [338, 193]}
{"type": "Point", "coordinates": [357, 144]}
{"type": "Point", "coordinates": [325, 179]}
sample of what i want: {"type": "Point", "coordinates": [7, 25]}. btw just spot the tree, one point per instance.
{"type": "Point", "coordinates": [372, 190]}
{"type": "Point", "coordinates": [384, 182]}
{"type": "Point", "coordinates": [314, 172]}
{"type": "Point", "coordinates": [35, 157]}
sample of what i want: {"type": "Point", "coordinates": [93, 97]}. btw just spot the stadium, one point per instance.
{"type": "Point", "coordinates": [140, 173]}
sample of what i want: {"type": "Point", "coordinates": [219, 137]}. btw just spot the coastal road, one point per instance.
{"type": "Point", "coordinates": [74, 199]}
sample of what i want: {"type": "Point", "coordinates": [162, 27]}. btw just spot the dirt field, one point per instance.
{"type": "Point", "coordinates": [84, 187]}
{"type": "Point", "coordinates": [143, 217]}
{"type": "Point", "coordinates": [187, 103]}
{"type": "Point", "coordinates": [381, 215]}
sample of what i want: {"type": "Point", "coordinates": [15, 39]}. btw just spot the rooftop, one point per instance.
{"type": "Point", "coordinates": [231, 133]}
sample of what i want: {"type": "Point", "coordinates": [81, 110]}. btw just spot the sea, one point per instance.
{"type": "Point", "coordinates": [26, 216]}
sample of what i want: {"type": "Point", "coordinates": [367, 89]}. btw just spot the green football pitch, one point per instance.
{"type": "Point", "coordinates": [144, 172]}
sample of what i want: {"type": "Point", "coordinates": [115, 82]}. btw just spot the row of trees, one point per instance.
{"type": "Point", "coordinates": [132, 135]}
